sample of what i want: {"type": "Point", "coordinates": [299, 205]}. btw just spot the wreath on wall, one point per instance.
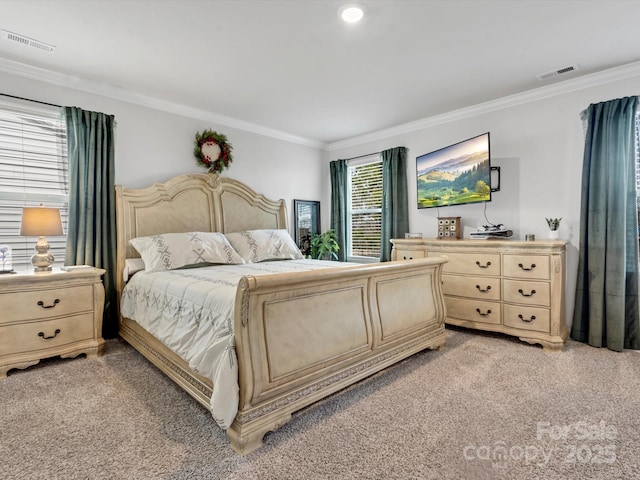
{"type": "Point", "coordinates": [213, 151]}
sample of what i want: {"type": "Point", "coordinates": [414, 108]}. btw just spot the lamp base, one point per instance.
{"type": "Point", "coordinates": [42, 260]}
{"type": "Point", "coordinates": [43, 269]}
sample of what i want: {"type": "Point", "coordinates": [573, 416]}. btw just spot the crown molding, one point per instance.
{"type": "Point", "coordinates": [541, 93]}
{"type": "Point", "coordinates": [117, 93]}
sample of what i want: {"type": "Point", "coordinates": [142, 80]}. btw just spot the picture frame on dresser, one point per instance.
{"type": "Point", "coordinates": [306, 218]}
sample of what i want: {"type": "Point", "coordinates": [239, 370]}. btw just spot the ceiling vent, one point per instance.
{"type": "Point", "coordinates": [557, 73]}
{"type": "Point", "coordinates": [27, 42]}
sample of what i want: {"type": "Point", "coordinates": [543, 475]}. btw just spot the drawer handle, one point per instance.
{"type": "Point", "coordinates": [483, 266]}
{"type": "Point", "coordinates": [526, 294]}
{"type": "Point", "coordinates": [483, 314]}
{"type": "Point", "coordinates": [533, 317]}
{"type": "Point", "coordinates": [533, 265]}
{"type": "Point", "coordinates": [55, 334]}
{"type": "Point", "coordinates": [405, 258]}
{"type": "Point", "coordinates": [55, 302]}
{"type": "Point", "coordinates": [484, 290]}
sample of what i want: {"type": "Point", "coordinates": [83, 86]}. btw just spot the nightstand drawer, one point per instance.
{"type": "Point", "coordinates": [33, 336]}
{"type": "Point", "coordinates": [484, 288]}
{"type": "Point", "coordinates": [42, 304]}
{"type": "Point", "coordinates": [529, 293]}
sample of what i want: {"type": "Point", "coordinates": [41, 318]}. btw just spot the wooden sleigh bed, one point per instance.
{"type": "Point", "coordinates": [299, 337]}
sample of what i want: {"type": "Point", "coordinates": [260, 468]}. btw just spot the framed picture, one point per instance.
{"type": "Point", "coordinates": [306, 223]}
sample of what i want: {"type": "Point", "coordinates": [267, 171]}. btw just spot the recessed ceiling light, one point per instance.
{"type": "Point", "coordinates": [351, 13]}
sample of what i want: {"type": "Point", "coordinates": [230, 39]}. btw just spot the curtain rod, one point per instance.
{"type": "Point", "coordinates": [30, 100]}
{"type": "Point", "coordinates": [362, 156]}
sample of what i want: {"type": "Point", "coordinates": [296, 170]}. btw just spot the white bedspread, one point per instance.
{"type": "Point", "coordinates": [191, 311]}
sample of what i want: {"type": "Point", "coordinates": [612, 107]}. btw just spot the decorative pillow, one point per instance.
{"type": "Point", "coordinates": [174, 250]}
{"type": "Point", "coordinates": [260, 245]}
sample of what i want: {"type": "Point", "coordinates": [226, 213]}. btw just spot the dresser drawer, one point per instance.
{"type": "Point", "coordinates": [484, 288]}
{"type": "Point", "coordinates": [527, 293]}
{"type": "Point", "coordinates": [527, 266]}
{"type": "Point", "coordinates": [474, 310]}
{"type": "Point", "coordinates": [527, 318]}
{"type": "Point", "coordinates": [470, 263]}
{"type": "Point", "coordinates": [42, 304]}
{"type": "Point", "coordinates": [409, 254]}
{"type": "Point", "coordinates": [33, 336]}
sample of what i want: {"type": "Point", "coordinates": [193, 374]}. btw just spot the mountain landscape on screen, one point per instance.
{"type": "Point", "coordinates": [455, 175]}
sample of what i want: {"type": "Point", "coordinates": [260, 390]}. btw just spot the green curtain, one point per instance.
{"type": "Point", "coordinates": [606, 304]}
{"type": "Point", "coordinates": [91, 235]}
{"type": "Point", "coordinates": [395, 208]}
{"type": "Point", "coordinates": [339, 172]}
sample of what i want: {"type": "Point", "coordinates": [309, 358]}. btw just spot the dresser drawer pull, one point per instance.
{"type": "Point", "coordinates": [55, 334]}
{"type": "Point", "coordinates": [526, 294]}
{"type": "Point", "coordinates": [407, 258]}
{"type": "Point", "coordinates": [533, 317]}
{"type": "Point", "coordinates": [55, 302]}
{"type": "Point", "coordinates": [483, 266]}
{"type": "Point", "coordinates": [483, 314]}
{"type": "Point", "coordinates": [485, 290]}
{"type": "Point", "coordinates": [533, 265]}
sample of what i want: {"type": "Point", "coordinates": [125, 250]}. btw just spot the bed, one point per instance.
{"type": "Point", "coordinates": [297, 336]}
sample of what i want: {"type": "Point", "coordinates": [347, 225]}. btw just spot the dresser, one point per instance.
{"type": "Point", "coordinates": [506, 286]}
{"type": "Point", "coordinates": [47, 314]}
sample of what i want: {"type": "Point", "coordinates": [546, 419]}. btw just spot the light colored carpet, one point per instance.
{"type": "Point", "coordinates": [484, 407]}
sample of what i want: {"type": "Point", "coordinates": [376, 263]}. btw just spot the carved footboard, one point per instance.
{"type": "Point", "coordinates": [303, 336]}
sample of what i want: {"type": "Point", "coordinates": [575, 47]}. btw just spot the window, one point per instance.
{"type": "Point", "coordinates": [364, 214]}
{"type": "Point", "coordinates": [33, 171]}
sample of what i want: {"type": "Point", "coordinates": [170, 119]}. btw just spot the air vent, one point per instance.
{"type": "Point", "coordinates": [27, 42]}
{"type": "Point", "coordinates": [556, 73]}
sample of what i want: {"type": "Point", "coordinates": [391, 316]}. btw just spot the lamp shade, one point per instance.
{"type": "Point", "coordinates": [40, 221]}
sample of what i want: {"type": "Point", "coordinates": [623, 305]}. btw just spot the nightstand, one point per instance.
{"type": "Point", "coordinates": [48, 314]}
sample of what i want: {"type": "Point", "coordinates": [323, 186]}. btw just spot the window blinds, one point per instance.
{"type": "Point", "coordinates": [33, 171]}
{"type": "Point", "coordinates": [366, 209]}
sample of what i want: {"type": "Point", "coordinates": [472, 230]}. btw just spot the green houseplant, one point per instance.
{"type": "Point", "coordinates": [554, 224]}
{"type": "Point", "coordinates": [325, 245]}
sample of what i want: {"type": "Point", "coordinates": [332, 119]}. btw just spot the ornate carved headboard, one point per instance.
{"type": "Point", "coordinates": [201, 202]}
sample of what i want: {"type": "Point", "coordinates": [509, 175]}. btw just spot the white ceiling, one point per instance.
{"type": "Point", "coordinates": [292, 66]}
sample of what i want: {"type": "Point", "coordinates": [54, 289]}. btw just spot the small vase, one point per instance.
{"type": "Point", "coordinates": [554, 234]}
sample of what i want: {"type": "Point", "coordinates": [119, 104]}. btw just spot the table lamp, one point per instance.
{"type": "Point", "coordinates": [38, 222]}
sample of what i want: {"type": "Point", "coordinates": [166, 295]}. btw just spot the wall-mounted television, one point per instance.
{"type": "Point", "coordinates": [455, 175]}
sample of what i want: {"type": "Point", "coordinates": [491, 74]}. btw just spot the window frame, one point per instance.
{"type": "Point", "coordinates": [351, 164]}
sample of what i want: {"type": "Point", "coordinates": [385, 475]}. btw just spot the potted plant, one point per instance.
{"type": "Point", "coordinates": [325, 245]}
{"type": "Point", "coordinates": [554, 224]}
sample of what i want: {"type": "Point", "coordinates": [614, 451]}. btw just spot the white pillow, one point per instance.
{"type": "Point", "coordinates": [131, 266]}
{"type": "Point", "coordinates": [174, 250]}
{"type": "Point", "coordinates": [260, 245]}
